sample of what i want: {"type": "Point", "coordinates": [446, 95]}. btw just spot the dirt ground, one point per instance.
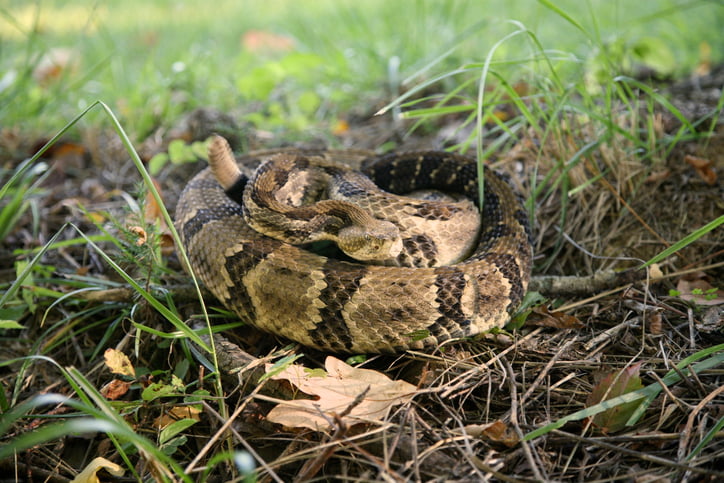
{"type": "Point", "coordinates": [475, 398]}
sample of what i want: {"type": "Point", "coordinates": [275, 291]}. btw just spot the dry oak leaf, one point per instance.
{"type": "Point", "coordinates": [336, 390]}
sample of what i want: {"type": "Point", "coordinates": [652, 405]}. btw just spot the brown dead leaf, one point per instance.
{"type": "Point", "coordinates": [152, 211]}
{"type": "Point", "coordinates": [704, 168]}
{"type": "Point", "coordinates": [115, 389]}
{"type": "Point", "coordinates": [89, 473]}
{"type": "Point", "coordinates": [119, 363]}
{"type": "Point", "coordinates": [336, 390]}
{"type": "Point", "coordinates": [495, 432]}
{"type": "Point", "coordinates": [712, 320]}
{"type": "Point", "coordinates": [95, 217]}
{"type": "Point", "coordinates": [542, 316]}
{"type": "Point", "coordinates": [141, 233]}
{"type": "Point", "coordinates": [657, 176]}
{"type": "Point", "coordinates": [655, 323]}
{"type": "Point", "coordinates": [153, 214]}
{"type": "Point", "coordinates": [177, 413]}
{"type": "Point", "coordinates": [263, 41]}
{"type": "Point", "coordinates": [615, 384]}
{"type": "Point", "coordinates": [61, 150]}
{"type": "Point", "coordinates": [167, 244]}
{"type": "Point", "coordinates": [501, 115]}
{"type": "Point", "coordinates": [54, 64]}
{"type": "Point", "coordinates": [696, 288]}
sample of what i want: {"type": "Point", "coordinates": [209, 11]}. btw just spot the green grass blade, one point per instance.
{"type": "Point", "coordinates": [480, 122]}
{"type": "Point", "coordinates": [649, 392]}
{"type": "Point", "coordinates": [162, 309]}
{"type": "Point", "coordinates": [708, 437]}
{"type": "Point", "coordinates": [688, 239]}
{"type": "Point", "coordinates": [163, 462]}
{"type": "Point", "coordinates": [169, 223]}
{"type": "Point", "coordinates": [15, 286]}
{"type": "Point", "coordinates": [551, 6]}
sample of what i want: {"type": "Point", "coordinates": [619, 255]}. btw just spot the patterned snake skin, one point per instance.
{"type": "Point", "coordinates": [344, 306]}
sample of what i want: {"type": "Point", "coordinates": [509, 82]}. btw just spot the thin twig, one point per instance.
{"type": "Point", "coordinates": [686, 432]}
{"type": "Point", "coordinates": [516, 426]}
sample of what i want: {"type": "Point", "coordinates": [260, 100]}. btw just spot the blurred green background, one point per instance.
{"type": "Point", "coordinates": [292, 64]}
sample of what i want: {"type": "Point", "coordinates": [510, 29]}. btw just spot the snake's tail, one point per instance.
{"type": "Point", "coordinates": [222, 162]}
{"type": "Point", "coordinates": [225, 170]}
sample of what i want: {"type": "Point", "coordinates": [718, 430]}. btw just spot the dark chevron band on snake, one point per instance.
{"type": "Point", "coordinates": [343, 306]}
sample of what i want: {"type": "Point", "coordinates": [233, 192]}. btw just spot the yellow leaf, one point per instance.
{"type": "Point", "coordinates": [119, 363]}
{"type": "Point", "coordinates": [88, 475]}
{"type": "Point", "coordinates": [337, 389]}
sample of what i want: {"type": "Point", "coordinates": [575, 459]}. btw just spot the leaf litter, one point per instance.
{"type": "Point", "coordinates": [362, 396]}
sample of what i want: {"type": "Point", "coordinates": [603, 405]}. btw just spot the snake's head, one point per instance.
{"type": "Point", "coordinates": [377, 241]}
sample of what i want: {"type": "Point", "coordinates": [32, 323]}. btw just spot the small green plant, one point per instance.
{"type": "Point", "coordinates": [93, 411]}
{"type": "Point", "coordinates": [178, 152]}
{"type": "Point", "coordinates": [19, 190]}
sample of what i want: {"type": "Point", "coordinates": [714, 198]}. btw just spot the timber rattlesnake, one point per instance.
{"type": "Point", "coordinates": [345, 306]}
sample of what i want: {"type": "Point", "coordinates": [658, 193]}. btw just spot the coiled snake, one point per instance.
{"type": "Point", "coordinates": [341, 305]}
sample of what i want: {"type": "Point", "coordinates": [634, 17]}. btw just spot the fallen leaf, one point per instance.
{"type": "Point", "coordinates": [263, 41]}
{"type": "Point", "coordinates": [152, 211]}
{"type": "Point", "coordinates": [115, 389]}
{"type": "Point", "coordinates": [119, 363]}
{"type": "Point", "coordinates": [340, 128]}
{"type": "Point", "coordinates": [613, 385]}
{"type": "Point", "coordinates": [140, 233]}
{"type": "Point", "coordinates": [657, 176]}
{"type": "Point", "coordinates": [177, 413]}
{"type": "Point", "coordinates": [54, 64]}
{"type": "Point", "coordinates": [166, 243]}
{"type": "Point", "coordinates": [495, 432]}
{"type": "Point", "coordinates": [712, 320]}
{"type": "Point", "coordinates": [704, 168]}
{"type": "Point", "coordinates": [543, 317]}
{"type": "Point", "coordinates": [655, 323]}
{"type": "Point", "coordinates": [89, 473]}
{"type": "Point", "coordinates": [337, 389]}
{"type": "Point", "coordinates": [695, 287]}
{"type": "Point", "coordinates": [96, 217]}
{"type": "Point", "coordinates": [153, 214]}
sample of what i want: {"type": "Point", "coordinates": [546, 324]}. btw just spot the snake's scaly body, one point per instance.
{"type": "Point", "coordinates": [349, 307]}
